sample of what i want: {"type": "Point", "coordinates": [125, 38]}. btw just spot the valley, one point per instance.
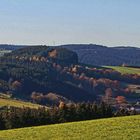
{"type": "Point", "coordinates": [53, 74]}
{"type": "Point", "coordinates": [69, 70]}
{"type": "Point", "coordinates": [51, 85]}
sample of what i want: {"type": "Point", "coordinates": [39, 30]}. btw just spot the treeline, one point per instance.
{"type": "Point", "coordinates": [25, 117]}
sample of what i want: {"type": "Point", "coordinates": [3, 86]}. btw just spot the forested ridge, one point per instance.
{"type": "Point", "coordinates": [97, 54]}
{"type": "Point", "coordinates": [102, 55]}
{"type": "Point", "coordinates": [48, 75]}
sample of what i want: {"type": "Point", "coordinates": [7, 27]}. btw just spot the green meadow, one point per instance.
{"type": "Point", "coordinates": [17, 103]}
{"type": "Point", "coordinates": [125, 70]}
{"type": "Point", "coordinates": [121, 128]}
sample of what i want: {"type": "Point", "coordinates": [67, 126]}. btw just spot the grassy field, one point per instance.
{"type": "Point", "coordinates": [123, 128]}
{"type": "Point", "coordinates": [17, 103]}
{"type": "Point", "coordinates": [125, 70]}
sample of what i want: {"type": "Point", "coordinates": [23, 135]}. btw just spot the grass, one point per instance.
{"type": "Point", "coordinates": [17, 103]}
{"type": "Point", "coordinates": [122, 128]}
{"type": "Point", "coordinates": [125, 70]}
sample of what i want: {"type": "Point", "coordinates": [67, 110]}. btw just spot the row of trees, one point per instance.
{"type": "Point", "coordinates": [24, 117]}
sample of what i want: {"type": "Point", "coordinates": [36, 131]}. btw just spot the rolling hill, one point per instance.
{"type": "Point", "coordinates": [17, 103]}
{"type": "Point", "coordinates": [97, 54]}
{"type": "Point", "coordinates": [126, 128]}
{"type": "Point", "coordinates": [103, 55]}
{"type": "Point", "coordinates": [48, 75]}
{"type": "Point", "coordinates": [41, 70]}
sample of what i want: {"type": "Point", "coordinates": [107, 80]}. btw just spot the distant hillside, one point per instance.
{"type": "Point", "coordinates": [10, 47]}
{"type": "Point", "coordinates": [48, 75]}
{"type": "Point", "coordinates": [37, 70]}
{"type": "Point", "coordinates": [102, 55]}
{"type": "Point", "coordinates": [126, 128]}
{"type": "Point", "coordinates": [97, 54]}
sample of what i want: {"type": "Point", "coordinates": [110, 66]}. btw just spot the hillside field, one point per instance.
{"type": "Point", "coordinates": [125, 70]}
{"type": "Point", "coordinates": [121, 128]}
{"type": "Point", "coordinates": [17, 103]}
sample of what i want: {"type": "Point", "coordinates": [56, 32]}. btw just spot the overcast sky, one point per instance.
{"type": "Point", "coordinates": [106, 22]}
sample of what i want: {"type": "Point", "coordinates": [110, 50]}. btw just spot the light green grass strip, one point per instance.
{"type": "Point", "coordinates": [125, 70]}
{"type": "Point", "coordinates": [17, 103]}
{"type": "Point", "coordinates": [123, 128]}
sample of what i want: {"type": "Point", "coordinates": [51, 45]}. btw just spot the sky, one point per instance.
{"type": "Point", "coordinates": [55, 22]}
